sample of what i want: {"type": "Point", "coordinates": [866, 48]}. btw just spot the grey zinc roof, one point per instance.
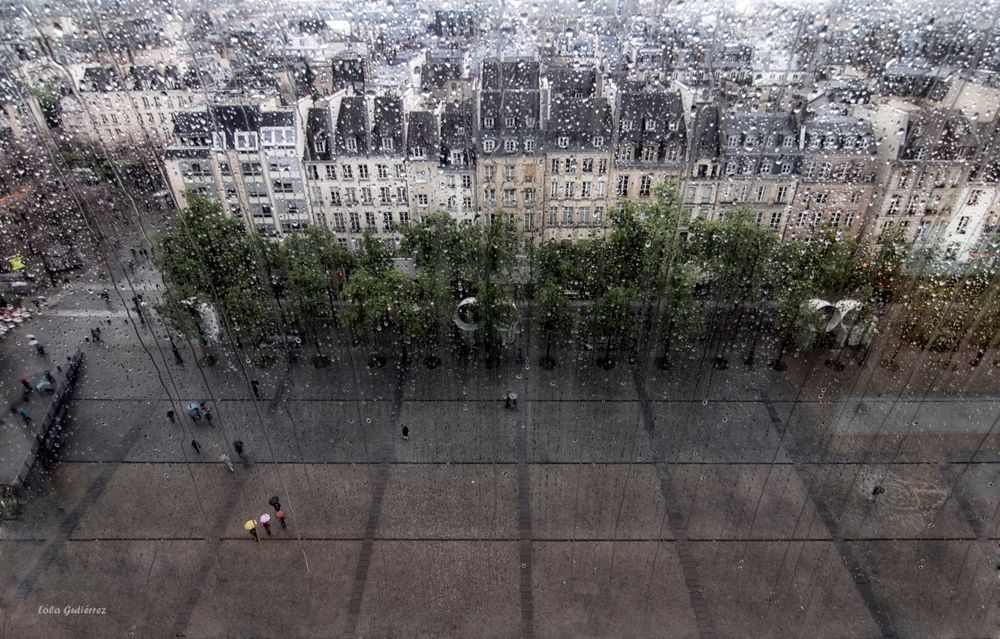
{"type": "Point", "coordinates": [572, 80]}
{"type": "Point", "coordinates": [421, 130]}
{"type": "Point", "coordinates": [352, 122]}
{"type": "Point", "coordinates": [388, 122]}
{"type": "Point", "coordinates": [277, 118]}
{"type": "Point", "coordinates": [318, 129]}
{"type": "Point", "coordinates": [706, 130]}
{"type": "Point", "coordinates": [509, 75]}
{"type": "Point", "coordinates": [517, 104]}
{"type": "Point", "coordinates": [193, 123]}
{"type": "Point", "coordinates": [662, 107]}
{"type": "Point", "coordinates": [457, 125]}
{"type": "Point", "coordinates": [579, 119]}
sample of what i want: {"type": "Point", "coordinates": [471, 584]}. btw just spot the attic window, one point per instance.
{"type": "Point", "coordinates": [509, 122]}
{"type": "Point", "coordinates": [319, 145]}
{"type": "Point", "coordinates": [598, 141]}
{"type": "Point", "coordinates": [487, 123]}
{"type": "Point", "coordinates": [627, 125]}
{"type": "Point", "coordinates": [650, 125]}
{"type": "Point", "coordinates": [674, 125]}
{"type": "Point", "coordinates": [388, 144]}
{"type": "Point", "coordinates": [562, 142]}
{"type": "Point", "coordinates": [351, 144]}
{"type": "Point", "coordinates": [417, 152]}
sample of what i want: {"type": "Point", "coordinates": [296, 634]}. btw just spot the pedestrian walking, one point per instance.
{"type": "Point", "coordinates": [170, 416]}
{"type": "Point", "coordinates": [281, 518]}
{"type": "Point", "coordinates": [238, 445]}
{"type": "Point", "coordinates": [33, 341]}
{"type": "Point", "coordinates": [406, 433]}
{"type": "Point", "coordinates": [255, 387]}
{"type": "Point", "coordinates": [196, 446]}
{"type": "Point", "coordinates": [224, 458]}
{"type": "Point", "coordinates": [208, 415]}
{"type": "Point", "coordinates": [251, 527]}
{"type": "Point", "coordinates": [265, 521]}
{"type": "Point", "coordinates": [507, 398]}
{"type": "Point", "coordinates": [24, 382]}
{"type": "Point", "coordinates": [275, 503]}
{"type": "Point", "coordinates": [23, 412]}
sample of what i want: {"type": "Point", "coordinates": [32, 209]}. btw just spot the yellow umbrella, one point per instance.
{"type": "Point", "coordinates": [250, 525]}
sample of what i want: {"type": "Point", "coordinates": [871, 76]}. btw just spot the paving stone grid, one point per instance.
{"type": "Point", "coordinates": [633, 502]}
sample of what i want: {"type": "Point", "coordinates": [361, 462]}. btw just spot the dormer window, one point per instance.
{"type": "Point", "coordinates": [460, 130]}
{"type": "Point", "coordinates": [388, 144]}
{"type": "Point", "coordinates": [814, 142]}
{"type": "Point", "coordinates": [850, 142]}
{"type": "Point", "coordinates": [509, 122]}
{"type": "Point", "coordinates": [650, 125]}
{"type": "Point", "coordinates": [218, 140]}
{"type": "Point", "coordinates": [734, 141]}
{"type": "Point", "coordinates": [562, 142]}
{"type": "Point", "coordinates": [788, 142]}
{"type": "Point", "coordinates": [627, 125]}
{"type": "Point", "coordinates": [351, 144]}
{"type": "Point", "coordinates": [489, 145]}
{"type": "Point", "coordinates": [529, 121]}
{"type": "Point", "coordinates": [319, 145]}
{"type": "Point", "coordinates": [673, 126]}
{"type": "Point", "coordinates": [598, 141]}
{"type": "Point", "coordinates": [487, 123]}
{"type": "Point", "coordinates": [417, 152]}
{"type": "Point", "coordinates": [510, 146]}
{"type": "Point", "coordinates": [246, 140]}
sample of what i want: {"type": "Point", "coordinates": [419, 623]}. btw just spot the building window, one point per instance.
{"type": "Point", "coordinates": [335, 197]}
{"type": "Point", "coordinates": [567, 216]}
{"type": "Point", "coordinates": [351, 144]}
{"type": "Point", "coordinates": [387, 222]}
{"type": "Point", "coordinates": [588, 165]}
{"type": "Point", "coordinates": [849, 220]}
{"type": "Point", "coordinates": [384, 196]}
{"type": "Point", "coordinates": [508, 172]}
{"type": "Point", "coordinates": [452, 202]}
{"type": "Point", "coordinates": [598, 141]}
{"type": "Point", "coordinates": [488, 123]}
{"type": "Point", "coordinates": [600, 189]}
{"type": "Point", "coordinates": [404, 217]}
{"type": "Point", "coordinates": [911, 205]}
{"type": "Point", "coordinates": [466, 181]}
{"type": "Point", "coordinates": [602, 166]}
{"type": "Point", "coordinates": [351, 195]}
{"type": "Point", "coordinates": [650, 125]}
{"type": "Point", "coordinates": [529, 146]}
{"type": "Point", "coordinates": [974, 197]}
{"type": "Point", "coordinates": [585, 189]}
{"type": "Point", "coordinates": [627, 125]}
{"type": "Point", "coordinates": [467, 202]}
{"type": "Point", "coordinates": [584, 215]}
{"type": "Point", "coordinates": [553, 212]}
{"type": "Point", "coordinates": [570, 189]}
{"type": "Point", "coordinates": [529, 196]}
{"type": "Point", "coordinates": [645, 183]}
{"type": "Point", "coordinates": [598, 215]}
{"type": "Point", "coordinates": [417, 152]}
{"type": "Point", "coordinates": [765, 167]}
{"type": "Point", "coordinates": [489, 171]}
{"type": "Point", "coordinates": [622, 190]}
{"type": "Point", "coordinates": [529, 221]}
{"type": "Point", "coordinates": [648, 153]}
{"type": "Point", "coordinates": [761, 193]}
{"type": "Point", "coordinates": [782, 195]}
{"type": "Point", "coordinates": [822, 198]}
{"type": "Point", "coordinates": [672, 153]}
{"type": "Point", "coordinates": [370, 221]}
{"type": "Point", "coordinates": [401, 194]}
{"type": "Point", "coordinates": [809, 170]}
{"type": "Point", "coordinates": [554, 188]}
{"type": "Point", "coordinates": [388, 144]}
{"type": "Point", "coordinates": [509, 122]}
{"type": "Point", "coordinates": [363, 172]}
{"type": "Point", "coordinates": [489, 146]}
{"type": "Point", "coordinates": [562, 142]}
{"type": "Point", "coordinates": [786, 167]}
{"type": "Point", "coordinates": [893, 205]}
{"type": "Point", "coordinates": [775, 220]}
{"type": "Point", "coordinates": [747, 166]}
{"type": "Point", "coordinates": [734, 141]}
{"type": "Point", "coordinates": [963, 225]}
{"type": "Point", "coordinates": [422, 199]}
{"type": "Point", "coordinates": [281, 186]}
{"type": "Point", "coordinates": [835, 218]}
{"type": "Point", "coordinates": [366, 195]}
{"type": "Point", "coordinates": [490, 195]}
{"type": "Point", "coordinates": [570, 165]}
{"type": "Point", "coordinates": [744, 192]}
{"type": "Point", "coordinates": [355, 223]}
{"type": "Point", "coordinates": [510, 146]}
{"type": "Point", "coordinates": [383, 170]}
{"type": "Point", "coordinates": [313, 172]}
{"type": "Point", "coordinates": [347, 172]}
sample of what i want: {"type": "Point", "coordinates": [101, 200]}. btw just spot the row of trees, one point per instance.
{"type": "Point", "coordinates": [657, 282]}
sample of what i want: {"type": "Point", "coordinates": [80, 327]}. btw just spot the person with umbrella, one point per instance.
{"type": "Point", "coordinates": [33, 341]}
{"type": "Point", "coordinates": [193, 411]}
{"type": "Point", "coordinates": [251, 527]}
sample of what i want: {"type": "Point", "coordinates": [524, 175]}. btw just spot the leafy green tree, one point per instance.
{"type": "Point", "coordinates": [209, 259]}
{"type": "Point", "coordinates": [736, 255]}
{"type": "Point", "coordinates": [611, 318]}
{"type": "Point", "coordinates": [495, 311]}
{"type": "Point", "coordinates": [681, 320]}
{"type": "Point", "coordinates": [554, 316]}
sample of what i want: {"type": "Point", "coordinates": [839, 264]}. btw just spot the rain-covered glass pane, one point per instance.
{"type": "Point", "coordinates": [598, 319]}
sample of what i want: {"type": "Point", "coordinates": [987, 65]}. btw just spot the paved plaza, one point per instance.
{"type": "Point", "coordinates": [626, 503]}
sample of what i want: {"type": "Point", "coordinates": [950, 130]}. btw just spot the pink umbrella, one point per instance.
{"type": "Point", "coordinates": [265, 518]}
